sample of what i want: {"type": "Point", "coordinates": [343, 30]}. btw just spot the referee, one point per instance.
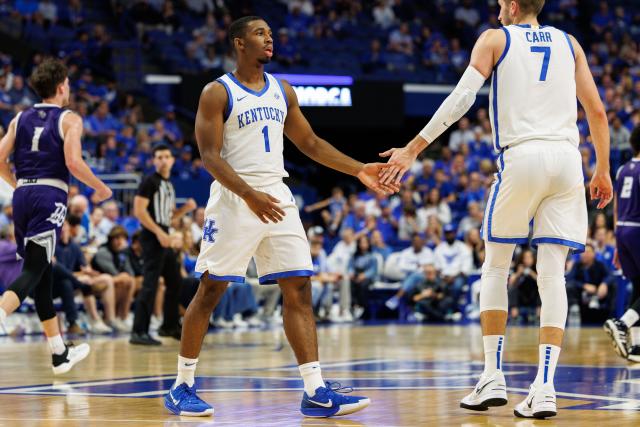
{"type": "Point", "coordinates": [154, 206]}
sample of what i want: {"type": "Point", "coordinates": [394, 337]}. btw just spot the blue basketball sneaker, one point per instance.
{"type": "Point", "coordinates": [327, 402]}
{"type": "Point", "coordinates": [183, 401]}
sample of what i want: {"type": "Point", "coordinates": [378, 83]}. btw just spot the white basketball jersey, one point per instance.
{"type": "Point", "coordinates": [533, 88]}
{"type": "Point", "coordinates": [253, 130]}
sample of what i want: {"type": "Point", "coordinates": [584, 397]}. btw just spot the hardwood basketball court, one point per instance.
{"type": "Point", "coordinates": [415, 376]}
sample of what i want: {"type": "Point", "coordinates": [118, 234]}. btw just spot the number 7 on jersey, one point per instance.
{"type": "Point", "coordinates": [545, 61]}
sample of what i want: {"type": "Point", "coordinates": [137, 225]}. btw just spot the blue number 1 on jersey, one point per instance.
{"type": "Point", "coordinates": [545, 61]}
{"type": "Point", "coordinates": [265, 133]}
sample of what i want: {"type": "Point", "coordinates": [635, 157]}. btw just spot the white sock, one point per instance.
{"type": "Point", "coordinates": [630, 317]}
{"type": "Point", "coordinates": [493, 349]}
{"type": "Point", "coordinates": [186, 371]}
{"type": "Point", "coordinates": [56, 344]}
{"type": "Point", "coordinates": [635, 335]}
{"type": "Point", "coordinates": [547, 360]}
{"type": "Point", "coordinates": [312, 377]}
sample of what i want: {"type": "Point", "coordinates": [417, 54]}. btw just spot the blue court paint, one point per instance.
{"type": "Point", "coordinates": [600, 386]}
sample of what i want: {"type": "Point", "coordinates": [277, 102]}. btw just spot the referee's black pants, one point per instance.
{"type": "Point", "coordinates": [158, 261]}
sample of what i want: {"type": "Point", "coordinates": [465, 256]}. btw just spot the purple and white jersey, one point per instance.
{"type": "Point", "coordinates": [39, 146]}
{"type": "Point", "coordinates": [628, 193]}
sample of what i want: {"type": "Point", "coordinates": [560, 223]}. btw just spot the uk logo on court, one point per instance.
{"type": "Point", "coordinates": [209, 230]}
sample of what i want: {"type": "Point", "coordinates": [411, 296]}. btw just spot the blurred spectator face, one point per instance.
{"type": "Point", "coordinates": [475, 180]}
{"type": "Point", "coordinates": [474, 209]}
{"type": "Point", "coordinates": [127, 132]}
{"type": "Point", "coordinates": [103, 109]}
{"type": "Point", "coordinates": [118, 244]}
{"type": "Point", "coordinates": [427, 167]}
{"type": "Point", "coordinates": [363, 244]}
{"type": "Point", "coordinates": [417, 243]}
{"type": "Point", "coordinates": [601, 221]}
{"type": "Point", "coordinates": [588, 256]}
{"type": "Point", "coordinates": [111, 211]}
{"type": "Point", "coordinates": [450, 237]}
{"type": "Point", "coordinates": [600, 236]}
{"type": "Point", "coordinates": [404, 28]}
{"type": "Point", "coordinates": [65, 233]}
{"type": "Point", "coordinates": [96, 216]}
{"type": "Point", "coordinates": [73, 191]}
{"type": "Point", "coordinates": [430, 272]}
{"type": "Point", "coordinates": [528, 259]}
{"type": "Point", "coordinates": [337, 193]}
{"type": "Point", "coordinates": [434, 196]}
{"type": "Point", "coordinates": [347, 235]}
{"type": "Point", "coordinates": [376, 239]}
{"type": "Point", "coordinates": [198, 217]}
{"type": "Point", "coordinates": [112, 144]}
{"type": "Point", "coordinates": [375, 46]}
{"type": "Point", "coordinates": [79, 205]}
{"type": "Point", "coordinates": [360, 209]}
{"type": "Point", "coordinates": [18, 82]}
{"type": "Point", "coordinates": [406, 197]}
{"type": "Point", "coordinates": [463, 124]}
{"type": "Point", "coordinates": [316, 247]}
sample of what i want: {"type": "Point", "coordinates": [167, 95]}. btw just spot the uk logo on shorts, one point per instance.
{"type": "Point", "coordinates": [209, 230]}
{"type": "Point", "coordinates": [57, 217]}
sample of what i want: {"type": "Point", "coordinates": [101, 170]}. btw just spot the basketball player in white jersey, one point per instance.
{"type": "Point", "coordinates": [240, 123]}
{"type": "Point", "coordinates": [537, 72]}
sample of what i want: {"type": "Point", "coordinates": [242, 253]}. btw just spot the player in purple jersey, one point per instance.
{"type": "Point", "coordinates": [45, 142]}
{"type": "Point", "coordinates": [627, 226]}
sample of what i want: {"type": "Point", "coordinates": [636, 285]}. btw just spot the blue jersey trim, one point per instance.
{"type": "Point", "coordinates": [523, 25]}
{"type": "Point", "coordinates": [284, 94]}
{"type": "Point", "coordinates": [506, 46]}
{"type": "Point", "coordinates": [236, 279]}
{"type": "Point", "coordinates": [577, 247]}
{"type": "Point", "coordinates": [272, 278]}
{"type": "Point", "coordinates": [570, 45]}
{"type": "Point", "coordinates": [496, 127]}
{"type": "Point", "coordinates": [251, 91]}
{"type": "Point", "coordinates": [229, 108]}
{"type": "Point", "coordinates": [516, 240]}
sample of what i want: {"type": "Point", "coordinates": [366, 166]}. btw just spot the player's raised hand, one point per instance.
{"type": "Point", "coordinates": [400, 161]}
{"type": "Point", "coordinates": [265, 206]}
{"type": "Point", "coordinates": [601, 188]}
{"type": "Point", "coordinates": [370, 174]}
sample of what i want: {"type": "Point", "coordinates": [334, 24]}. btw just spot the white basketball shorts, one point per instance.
{"type": "Point", "coordinates": [539, 184]}
{"type": "Point", "coordinates": [232, 234]}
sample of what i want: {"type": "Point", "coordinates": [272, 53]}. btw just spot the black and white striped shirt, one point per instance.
{"type": "Point", "coordinates": [162, 198]}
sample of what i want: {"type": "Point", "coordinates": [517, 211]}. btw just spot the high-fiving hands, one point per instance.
{"type": "Point", "coordinates": [371, 176]}
{"type": "Point", "coordinates": [400, 161]}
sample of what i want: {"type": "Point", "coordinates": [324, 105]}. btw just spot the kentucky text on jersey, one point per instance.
{"type": "Point", "coordinates": [260, 114]}
{"type": "Point", "coordinates": [541, 37]}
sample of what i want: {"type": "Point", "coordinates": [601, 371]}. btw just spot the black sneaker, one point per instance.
{"type": "Point", "coordinates": [62, 363]}
{"type": "Point", "coordinates": [170, 332]}
{"type": "Point", "coordinates": [634, 354]}
{"type": "Point", "coordinates": [618, 332]}
{"type": "Point", "coordinates": [143, 339]}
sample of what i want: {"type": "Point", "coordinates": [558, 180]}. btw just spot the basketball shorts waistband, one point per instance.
{"type": "Point", "coordinates": [51, 182]}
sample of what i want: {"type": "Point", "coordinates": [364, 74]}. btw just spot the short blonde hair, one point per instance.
{"type": "Point", "coordinates": [530, 7]}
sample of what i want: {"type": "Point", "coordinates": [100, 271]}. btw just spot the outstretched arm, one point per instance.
{"type": "Point", "coordinates": [483, 57]}
{"type": "Point", "coordinates": [72, 130]}
{"type": "Point", "coordinates": [298, 130]}
{"type": "Point", "coordinates": [209, 126]}
{"type": "Point", "coordinates": [6, 147]}
{"type": "Point", "coordinates": [600, 187]}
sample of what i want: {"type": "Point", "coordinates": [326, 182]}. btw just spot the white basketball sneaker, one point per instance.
{"type": "Point", "coordinates": [540, 403]}
{"type": "Point", "coordinates": [490, 391]}
{"type": "Point", "coordinates": [72, 354]}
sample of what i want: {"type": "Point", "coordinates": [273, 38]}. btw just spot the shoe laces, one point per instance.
{"type": "Point", "coordinates": [336, 387]}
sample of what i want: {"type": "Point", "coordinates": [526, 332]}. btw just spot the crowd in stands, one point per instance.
{"type": "Point", "coordinates": [416, 255]}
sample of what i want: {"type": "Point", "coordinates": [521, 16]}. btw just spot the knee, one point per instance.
{"type": "Point", "coordinates": [296, 291]}
{"type": "Point", "coordinates": [210, 290]}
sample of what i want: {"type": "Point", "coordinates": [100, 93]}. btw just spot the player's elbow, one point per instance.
{"type": "Point", "coordinates": [73, 164]}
